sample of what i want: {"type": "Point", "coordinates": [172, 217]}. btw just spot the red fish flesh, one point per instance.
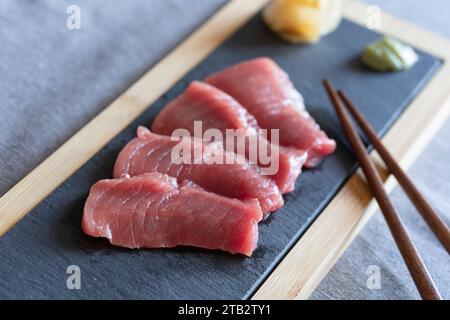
{"type": "Point", "coordinates": [231, 177]}
{"type": "Point", "coordinates": [265, 90]}
{"type": "Point", "coordinates": [153, 211]}
{"type": "Point", "coordinates": [217, 110]}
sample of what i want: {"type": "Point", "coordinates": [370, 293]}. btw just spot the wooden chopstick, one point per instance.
{"type": "Point", "coordinates": [433, 220]}
{"type": "Point", "coordinates": [416, 267]}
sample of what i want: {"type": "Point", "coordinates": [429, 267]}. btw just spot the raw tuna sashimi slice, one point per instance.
{"type": "Point", "coordinates": [150, 152]}
{"type": "Point", "coordinates": [216, 109]}
{"type": "Point", "coordinates": [153, 211]}
{"type": "Point", "coordinates": [265, 90]}
{"type": "Point", "coordinates": [203, 102]}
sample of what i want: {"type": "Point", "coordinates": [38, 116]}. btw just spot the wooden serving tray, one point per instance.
{"type": "Point", "coordinates": [298, 244]}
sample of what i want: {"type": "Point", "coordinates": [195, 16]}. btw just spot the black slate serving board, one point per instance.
{"type": "Point", "coordinates": [36, 253]}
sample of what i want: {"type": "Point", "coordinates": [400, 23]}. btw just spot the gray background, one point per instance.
{"type": "Point", "coordinates": [54, 80]}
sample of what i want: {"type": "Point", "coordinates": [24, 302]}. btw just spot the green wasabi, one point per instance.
{"type": "Point", "coordinates": [388, 54]}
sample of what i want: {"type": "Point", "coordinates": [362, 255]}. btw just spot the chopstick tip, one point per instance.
{"type": "Point", "coordinates": [328, 87]}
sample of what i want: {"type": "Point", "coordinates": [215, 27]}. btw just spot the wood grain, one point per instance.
{"type": "Point", "coordinates": [320, 247]}
{"type": "Point", "coordinates": [39, 183]}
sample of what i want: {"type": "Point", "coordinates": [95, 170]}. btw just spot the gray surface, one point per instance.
{"type": "Point", "coordinates": [54, 80]}
{"type": "Point", "coordinates": [49, 238]}
{"type": "Point", "coordinates": [431, 172]}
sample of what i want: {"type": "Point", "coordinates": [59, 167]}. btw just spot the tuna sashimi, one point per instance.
{"type": "Point", "coordinates": [153, 211]}
{"type": "Point", "coordinates": [265, 90]}
{"type": "Point", "coordinates": [203, 102]}
{"type": "Point", "coordinates": [215, 109]}
{"type": "Point", "coordinates": [231, 177]}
